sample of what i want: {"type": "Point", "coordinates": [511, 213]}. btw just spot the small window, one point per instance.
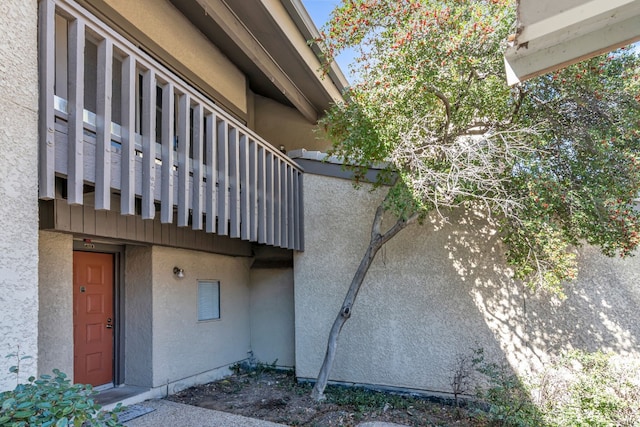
{"type": "Point", "coordinates": [208, 299]}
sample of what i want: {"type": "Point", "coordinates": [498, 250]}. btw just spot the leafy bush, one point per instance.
{"type": "Point", "coordinates": [507, 399]}
{"type": "Point", "coordinates": [591, 389]}
{"type": "Point", "coordinates": [579, 389]}
{"type": "Point", "coordinates": [53, 401]}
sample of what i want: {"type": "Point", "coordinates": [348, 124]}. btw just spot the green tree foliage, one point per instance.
{"type": "Point", "coordinates": [555, 159]}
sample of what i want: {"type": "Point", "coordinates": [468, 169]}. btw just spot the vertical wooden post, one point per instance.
{"type": "Point", "coordinates": [75, 169]}
{"type": "Point", "coordinates": [148, 144]}
{"type": "Point", "coordinates": [167, 141]}
{"type": "Point", "coordinates": [46, 116]}
{"type": "Point", "coordinates": [269, 185]}
{"type": "Point", "coordinates": [211, 153]}
{"type": "Point", "coordinates": [300, 216]}
{"type": "Point", "coordinates": [198, 167]}
{"type": "Point", "coordinates": [223, 177]}
{"type": "Point", "coordinates": [245, 189]}
{"type": "Point", "coordinates": [277, 200]}
{"type": "Point", "coordinates": [253, 189]}
{"type": "Point", "coordinates": [128, 134]}
{"type": "Point", "coordinates": [103, 125]}
{"type": "Point", "coordinates": [184, 142]}
{"type": "Point", "coordinates": [234, 183]}
{"type": "Point", "coordinates": [262, 195]}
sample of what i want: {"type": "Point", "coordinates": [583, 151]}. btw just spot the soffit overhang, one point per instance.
{"type": "Point", "coordinates": [552, 34]}
{"type": "Point", "coordinates": [267, 41]}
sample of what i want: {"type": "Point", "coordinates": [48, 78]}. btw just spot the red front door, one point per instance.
{"type": "Point", "coordinates": [92, 318]}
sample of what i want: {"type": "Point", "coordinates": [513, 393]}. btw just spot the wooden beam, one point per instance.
{"type": "Point", "coordinates": [211, 153]}
{"type": "Point", "coordinates": [223, 177]}
{"type": "Point", "coordinates": [262, 194]}
{"type": "Point", "coordinates": [103, 125]}
{"type": "Point", "coordinates": [46, 116]}
{"type": "Point", "coordinates": [253, 189]}
{"type": "Point", "coordinates": [198, 167]}
{"type": "Point", "coordinates": [167, 141]}
{"type": "Point", "coordinates": [148, 143]}
{"type": "Point", "coordinates": [184, 142]}
{"type": "Point", "coordinates": [75, 169]}
{"type": "Point", "coordinates": [128, 137]}
{"type": "Point", "coordinates": [245, 189]}
{"type": "Point", "coordinates": [234, 183]}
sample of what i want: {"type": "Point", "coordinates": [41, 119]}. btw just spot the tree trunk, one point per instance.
{"type": "Point", "coordinates": [376, 242]}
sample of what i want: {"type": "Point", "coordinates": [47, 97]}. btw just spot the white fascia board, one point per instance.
{"type": "Point", "coordinates": [587, 30]}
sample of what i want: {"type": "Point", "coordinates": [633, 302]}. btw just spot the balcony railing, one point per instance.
{"type": "Point", "coordinates": [154, 137]}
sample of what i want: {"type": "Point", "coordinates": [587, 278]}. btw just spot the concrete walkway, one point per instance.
{"type": "Point", "coordinates": [177, 414]}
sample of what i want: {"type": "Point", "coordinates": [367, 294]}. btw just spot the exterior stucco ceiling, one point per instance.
{"type": "Point", "coordinates": [554, 33]}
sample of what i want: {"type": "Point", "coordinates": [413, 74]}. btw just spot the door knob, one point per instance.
{"type": "Point", "coordinates": [109, 325]}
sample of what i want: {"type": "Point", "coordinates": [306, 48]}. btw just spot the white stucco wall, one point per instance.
{"type": "Point", "coordinates": [18, 187]}
{"type": "Point", "coordinates": [55, 319]}
{"type": "Point", "coordinates": [183, 347]}
{"type": "Point", "coordinates": [272, 317]}
{"type": "Point", "coordinates": [439, 290]}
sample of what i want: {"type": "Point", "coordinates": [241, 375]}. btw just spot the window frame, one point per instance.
{"type": "Point", "coordinates": [217, 285]}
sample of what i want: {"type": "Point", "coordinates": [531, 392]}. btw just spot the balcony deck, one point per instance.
{"type": "Point", "coordinates": [172, 146]}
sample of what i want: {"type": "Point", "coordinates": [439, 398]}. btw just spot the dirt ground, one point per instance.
{"type": "Point", "coordinates": [276, 396]}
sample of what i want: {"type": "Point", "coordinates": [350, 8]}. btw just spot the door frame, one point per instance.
{"type": "Point", "coordinates": [86, 245]}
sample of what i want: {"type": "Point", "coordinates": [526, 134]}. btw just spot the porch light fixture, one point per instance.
{"type": "Point", "coordinates": [178, 272]}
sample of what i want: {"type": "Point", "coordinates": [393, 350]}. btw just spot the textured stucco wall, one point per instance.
{"type": "Point", "coordinates": [271, 118]}
{"type": "Point", "coordinates": [439, 290]}
{"type": "Point", "coordinates": [18, 187]}
{"type": "Point", "coordinates": [138, 311]}
{"type": "Point", "coordinates": [55, 320]}
{"type": "Point", "coordinates": [272, 317]}
{"type": "Point", "coordinates": [183, 346]}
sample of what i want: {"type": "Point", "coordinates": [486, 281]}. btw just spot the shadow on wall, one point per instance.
{"type": "Point", "coordinates": [598, 314]}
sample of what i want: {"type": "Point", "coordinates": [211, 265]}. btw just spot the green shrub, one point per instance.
{"type": "Point", "coordinates": [580, 389]}
{"type": "Point", "coordinates": [505, 397]}
{"type": "Point", "coordinates": [52, 401]}
{"type": "Point", "coordinates": [591, 389]}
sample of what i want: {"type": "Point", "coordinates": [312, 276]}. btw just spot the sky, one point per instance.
{"type": "Point", "coordinates": [320, 10]}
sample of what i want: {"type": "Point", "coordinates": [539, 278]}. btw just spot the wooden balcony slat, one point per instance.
{"type": "Point", "coordinates": [300, 215]}
{"type": "Point", "coordinates": [291, 211]}
{"type": "Point", "coordinates": [75, 178]}
{"type": "Point", "coordinates": [253, 190]}
{"type": "Point", "coordinates": [184, 142]}
{"type": "Point", "coordinates": [224, 172]}
{"type": "Point", "coordinates": [167, 141]}
{"type": "Point", "coordinates": [148, 128]}
{"type": "Point", "coordinates": [262, 195]}
{"type": "Point", "coordinates": [269, 191]}
{"type": "Point", "coordinates": [128, 136]}
{"type": "Point", "coordinates": [284, 205]}
{"type": "Point", "coordinates": [103, 125]}
{"type": "Point", "coordinates": [198, 167]}
{"type": "Point", "coordinates": [291, 199]}
{"type": "Point", "coordinates": [46, 114]}
{"type": "Point", "coordinates": [234, 183]}
{"type": "Point", "coordinates": [245, 189]}
{"type": "Point", "coordinates": [277, 198]}
{"type": "Point", "coordinates": [223, 177]}
{"type": "Point", "coordinates": [211, 153]}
